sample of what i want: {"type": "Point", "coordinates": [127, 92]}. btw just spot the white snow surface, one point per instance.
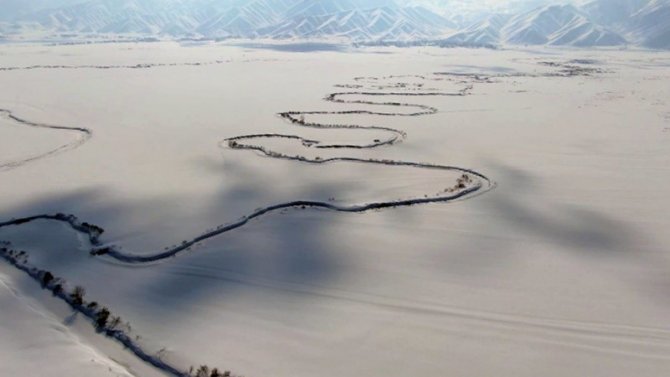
{"type": "Point", "coordinates": [562, 270]}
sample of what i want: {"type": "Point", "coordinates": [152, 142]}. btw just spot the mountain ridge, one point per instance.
{"type": "Point", "coordinates": [596, 23]}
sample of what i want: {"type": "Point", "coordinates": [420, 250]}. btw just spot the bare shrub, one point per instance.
{"type": "Point", "coordinates": [203, 371]}
{"type": "Point", "coordinates": [77, 295]}
{"type": "Point", "coordinates": [102, 317]}
{"type": "Point", "coordinates": [47, 278]}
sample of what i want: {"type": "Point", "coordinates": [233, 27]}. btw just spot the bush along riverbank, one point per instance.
{"type": "Point", "coordinates": [98, 315]}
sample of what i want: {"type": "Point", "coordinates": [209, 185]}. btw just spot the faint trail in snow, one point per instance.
{"type": "Point", "coordinates": [83, 135]}
{"type": "Point", "coordinates": [589, 336]}
{"type": "Point", "coordinates": [131, 66]}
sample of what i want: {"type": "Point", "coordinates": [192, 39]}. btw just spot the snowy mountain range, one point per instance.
{"type": "Point", "coordinates": [528, 22]}
{"type": "Point", "coordinates": [548, 25]}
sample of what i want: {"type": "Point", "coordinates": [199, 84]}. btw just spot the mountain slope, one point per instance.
{"type": "Point", "coordinates": [643, 22]}
{"type": "Point", "coordinates": [595, 23]}
{"type": "Point", "coordinates": [563, 25]}
{"type": "Point", "coordinates": [353, 19]}
{"type": "Point", "coordinates": [613, 13]}
{"type": "Point", "coordinates": [383, 23]}
{"type": "Point", "coordinates": [650, 26]}
{"type": "Point", "coordinates": [481, 33]}
{"type": "Point", "coordinates": [560, 25]}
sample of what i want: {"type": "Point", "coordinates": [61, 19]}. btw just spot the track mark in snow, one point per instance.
{"type": "Point", "coordinates": [133, 66]}
{"type": "Point", "coordinates": [83, 135]}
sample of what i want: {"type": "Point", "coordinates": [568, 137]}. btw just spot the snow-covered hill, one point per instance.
{"type": "Point", "coordinates": [526, 22]}
{"type": "Point", "coordinates": [643, 22]}
{"type": "Point", "coordinates": [482, 33]}
{"type": "Point", "coordinates": [563, 25]}
{"type": "Point", "coordinates": [558, 25]}
{"type": "Point", "coordinates": [354, 19]}
{"type": "Point", "coordinates": [650, 26]}
{"type": "Point", "coordinates": [383, 23]}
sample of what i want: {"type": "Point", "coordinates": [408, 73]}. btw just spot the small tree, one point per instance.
{"type": "Point", "coordinates": [114, 323]}
{"type": "Point", "coordinates": [47, 278]}
{"type": "Point", "coordinates": [77, 295]}
{"type": "Point", "coordinates": [216, 373]}
{"type": "Point", "coordinates": [102, 317]}
{"type": "Point", "coordinates": [203, 371]}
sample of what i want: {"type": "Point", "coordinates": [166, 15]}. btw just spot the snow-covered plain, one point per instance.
{"type": "Point", "coordinates": [560, 270]}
